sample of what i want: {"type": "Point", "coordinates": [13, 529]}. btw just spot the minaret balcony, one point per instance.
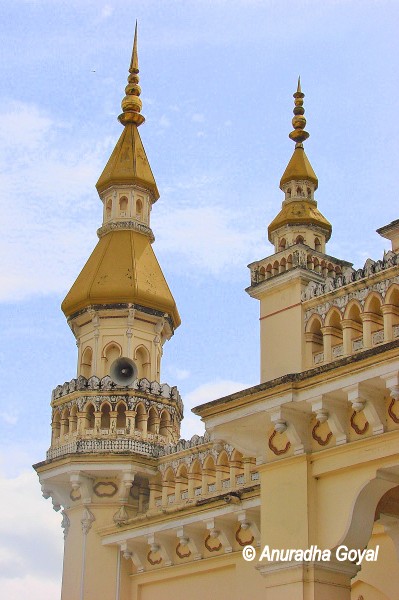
{"type": "Point", "coordinates": [93, 415]}
{"type": "Point", "coordinates": [297, 255]}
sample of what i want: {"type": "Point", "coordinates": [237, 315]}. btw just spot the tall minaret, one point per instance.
{"type": "Point", "coordinates": [120, 304]}
{"type": "Point", "coordinates": [108, 428]}
{"type": "Point", "coordinates": [299, 234]}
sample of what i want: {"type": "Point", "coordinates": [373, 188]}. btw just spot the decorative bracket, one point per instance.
{"type": "Point", "coordinates": [296, 426]}
{"type": "Point", "coordinates": [221, 533]}
{"type": "Point", "coordinates": [82, 484]}
{"type": "Point", "coordinates": [334, 412]}
{"type": "Point", "coordinates": [193, 541]}
{"type": "Point", "coordinates": [246, 523]}
{"type": "Point", "coordinates": [164, 547]}
{"type": "Point", "coordinates": [372, 406]}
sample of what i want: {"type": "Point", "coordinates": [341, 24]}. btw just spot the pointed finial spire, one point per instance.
{"type": "Point", "coordinates": [131, 103]}
{"type": "Point", "coordinates": [299, 134]}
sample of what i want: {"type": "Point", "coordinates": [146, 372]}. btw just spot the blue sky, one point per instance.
{"type": "Point", "coordinates": [217, 80]}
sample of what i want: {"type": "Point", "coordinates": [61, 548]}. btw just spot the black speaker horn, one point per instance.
{"type": "Point", "coordinates": [123, 371]}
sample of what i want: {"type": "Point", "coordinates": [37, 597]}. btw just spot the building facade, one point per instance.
{"type": "Point", "coordinates": [306, 460]}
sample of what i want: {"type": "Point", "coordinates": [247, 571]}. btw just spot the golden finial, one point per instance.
{"type": "Point", "coordinates": [131, 103]}
{"type": "Point", "coordinates": [299, 134]}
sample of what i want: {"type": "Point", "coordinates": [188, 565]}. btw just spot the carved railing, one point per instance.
{"type": "Point", "coordinates": [99, 446]}
{"type": "Point", "coordinates": [349, 275]}
{"type": "Point", "coordinates": [144, 386]}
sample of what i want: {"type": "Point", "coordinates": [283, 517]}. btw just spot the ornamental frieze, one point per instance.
{"type": "Point", "coordinates": [341, 303]}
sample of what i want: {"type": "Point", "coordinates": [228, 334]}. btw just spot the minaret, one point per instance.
{"type": "Point", "coordinates": [299, 234]}
{"type": "Point", "coordinates": [299, 218]}
{"type": "Point", "coordinates": [120, 304]}
{"type": "Point", "coordinates": [107, 431]}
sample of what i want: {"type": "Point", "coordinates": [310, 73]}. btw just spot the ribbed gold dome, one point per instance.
{"type": "Point", "coordinates": [122, 269]}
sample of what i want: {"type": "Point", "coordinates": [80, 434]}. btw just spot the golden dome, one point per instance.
{"type": "Point", "coordinates": [300, 212]}
{"type": "Point", "coordinates": [122, 269]}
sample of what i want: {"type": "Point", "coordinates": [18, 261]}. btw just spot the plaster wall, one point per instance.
{"type": "Point", "coordinates": [281, 331]}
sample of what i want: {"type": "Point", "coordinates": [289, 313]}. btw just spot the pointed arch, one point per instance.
{"type": "Point", "coordinates": [90, 417]}
{"type": "Point", "coordinates": [111, 352]}
{"type": "Point", "coordinates": [140, 418]}
{"type": "Point", "coordinates": [105, 415]}
{"type": "Point", "coordinates": [142, 360]}
{"type": "Point", "coordinates": [86, 362]}
{"type": "Point", "coordinates": [121, 415]}
{"type": "Point", "coordinates": [164, 425]}
{"type": "Point", "coordinates": [314, 341]}
{"type": "Point", "coordinates": [153, 420]}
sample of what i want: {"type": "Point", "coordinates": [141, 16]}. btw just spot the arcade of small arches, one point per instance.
{"type": "Point", "coordinates": [203, 474]}
{"type": "Point", "coordinates": [287, 262]}
{"type": "Point", "coordinates": [111, 352]}
{"type": "Point", "coordinates": [151, 423]}
{"type": "Point", "coordinates": [357, 326]}
{"type": "Point", "coordinates": [126, 206]}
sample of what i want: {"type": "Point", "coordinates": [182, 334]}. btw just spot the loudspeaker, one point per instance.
{"type": "Point", "coordinates": [123, 371]}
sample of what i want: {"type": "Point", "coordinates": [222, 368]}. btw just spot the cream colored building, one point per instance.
{"type": "Point", "coordinates": [309, 457]}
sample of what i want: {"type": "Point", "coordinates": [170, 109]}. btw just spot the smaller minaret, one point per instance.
{"type": "Point", "coordinates": [299, 234]}
{"type": "Point", "coordinates": [299, 218]}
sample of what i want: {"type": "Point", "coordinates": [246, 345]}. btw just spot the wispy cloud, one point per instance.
{"type": "Point", "coordinates": [210, 239]}
{"type": "Point", "coordinates": [205, 393]}
{"type": "Point", "coordinates": [43, 242]}
{"type": "Point", "coordinates": [31, 541]}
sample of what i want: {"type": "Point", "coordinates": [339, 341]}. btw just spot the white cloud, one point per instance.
{"type": "Point", "coordinates": [205, 393]}
{"type": "Point", "coordinates": [107, 11]}
{"type": "Point", "coordinates": [208, 239]}
{"type": "Point", "coordinates": [42, 242]}
{"type": "Point", "coordinates": [31, 541]}
{"type": "Point", "coordinates": [164, 121]}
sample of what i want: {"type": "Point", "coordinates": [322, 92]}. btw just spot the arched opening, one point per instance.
{"type": "Point", "coordinates": [262, 274]}
{"type": "Point", "coordinates": [333, 336]}
{"type": "Point", "coordinates": [169, 486]}
{"type": "Point", "coordinates": [275, 267]}
{"type": "Point", "coordinates": [391, 313]}
{"type": "Point", "coordinates": [209, 475]}
{"type": "Point", "coordinates": [299, 239]}
{"type": "Point", "coordinates": [164, 426]}
{"type": "Point", "coordinates": [352, 328]}
{"type": "Point", "coordinates": [223, 470]}
{"type": "Point", "coordinates": [139, 209]}
{"type": "Point", "coordinates": [283, 265]}
{"type": "Point", "coordinates": [105, 416]}
{"type": "Point", "coordinates": [111, 352]}
{"type": "Point", "coordinates": [142, 360]}
{"type": "Point", "coordinates": [141, 418]}
{"type": "Point", "coordinates": [268, 271]}
{"type": "Point", "coordinates": [65, 422]}
{"type": "Point", "coordinates": [317, 244]}
{"type": "Point", "coordinates": [86, 362]}
{"type": "Point", "coordinates": [282, 244]}
{"type": "Point", "coordinates": [195, 479]}
{"type": "Point", "coordinates": [237, 469]}
{"type": "Point", "coordinates": [373, 321]}
{"type": "Point", "coordinates": [121, 416]}
{"type": "Point", "coordinates": [153, 420]}
{"type": "Point", "coordinates": [123, 202]}
{"type": "Point", "coordinates": [289, 193]}
{"type": "Point", "coordinates": [182, 483]}
{"type": "Point", "coordinates": [56, 425]}
{"type": "Point", "coordinates": [314, 342]}
{"type": "Point", "coordinates": [73, 419]}
{"type": "Point", "coordinates": [90, 417]}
